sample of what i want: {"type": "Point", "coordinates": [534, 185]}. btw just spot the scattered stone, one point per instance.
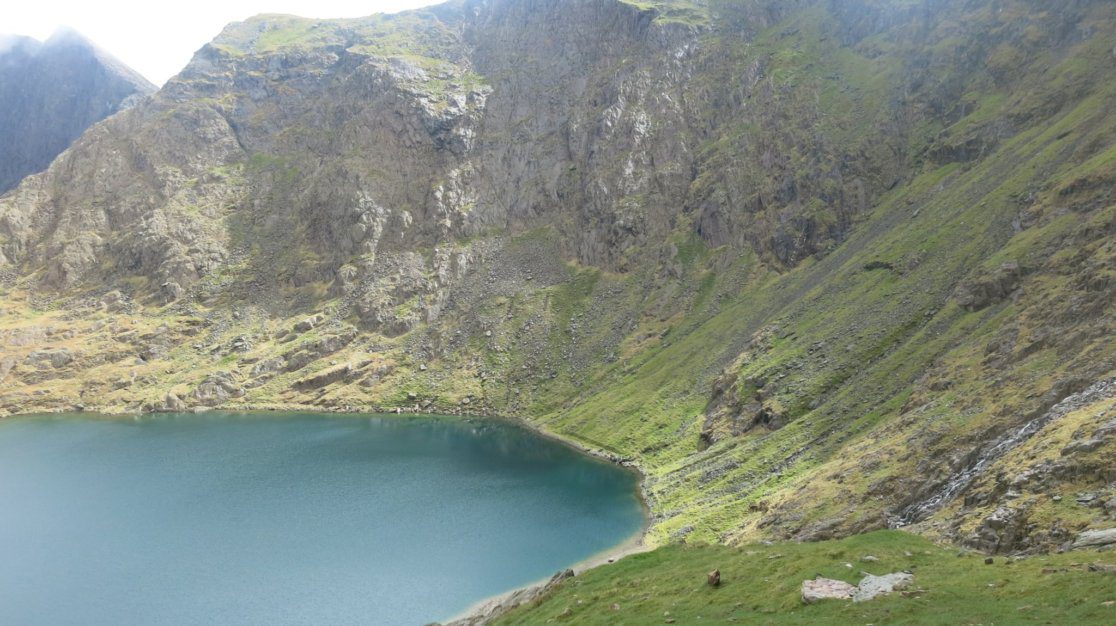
{"type": "Point", "coordinates": [873, 586]}
{"type": "Point", "coordinates": [869, 559]}
{"type": "Point", "coordinates": [826, 589]}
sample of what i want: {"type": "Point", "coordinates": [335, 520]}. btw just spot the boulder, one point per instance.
{"type": "Point", "coordinates": [172, 402]}
{"type": "Point", "coordinates": [114, 302]}
{"type": "Point", "coordinates": [218, 388]}
{"type": "Point", "coordinates": [872, 586]}
{"type": "Point", "coordinates": [267, 366]}
{"type": "Point", "coordinates": [56, 358]}
{"type": "Point", "coordinates": [1095, 538]}
{"type": "Point", "coordinates": [1081, 447]}
{"type": "Point", "coordinates": [308, 324]}
{"type": "Point", "coordinates": [6, 365]}
{"type": "Point", "coordinates": [171, 291]}
{"type": "Point", "coordinates": [990, 288]}
{"type": "Point", "coordinates": [826, 589]}
{"type": "Point", "coordinates": [714, 578]}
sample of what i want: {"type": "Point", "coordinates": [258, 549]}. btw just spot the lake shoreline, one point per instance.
{"type": "Point", "coordinates": [492, 607]}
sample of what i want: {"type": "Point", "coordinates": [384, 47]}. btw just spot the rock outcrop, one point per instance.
{"type": "Point", "coordinates": [1095, 538]}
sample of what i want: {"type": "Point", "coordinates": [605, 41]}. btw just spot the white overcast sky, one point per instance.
{"type": "Point", "coordinates": [158, 38]}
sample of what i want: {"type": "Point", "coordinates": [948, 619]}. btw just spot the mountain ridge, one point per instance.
{"type": "Point", "coordinates": [802, 262]}
{"type": "Point", "coordinates": [51, 92]}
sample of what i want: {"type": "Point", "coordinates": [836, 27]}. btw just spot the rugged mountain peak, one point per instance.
{"type": "Point", "coordinates": [51, 92]}
{"type": "Point", "coordinates": [805, 261]}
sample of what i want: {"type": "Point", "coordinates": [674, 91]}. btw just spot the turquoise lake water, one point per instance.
{"type": "Point", "coordinates": [289, 519]}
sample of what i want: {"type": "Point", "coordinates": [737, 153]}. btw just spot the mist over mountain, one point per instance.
{"type": "Point", "coordinates": [50, 92]}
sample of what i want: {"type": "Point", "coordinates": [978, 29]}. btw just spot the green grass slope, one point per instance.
{"type": "Point", "coordinates": [761, 584]}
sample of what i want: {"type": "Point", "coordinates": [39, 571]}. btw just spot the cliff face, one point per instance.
{"type": "Point", "coordinates": [806, 262]}
{"type": "Point", "coordinates": [587, 116]}
{"type": "Point", "coordinates": [50, 93]}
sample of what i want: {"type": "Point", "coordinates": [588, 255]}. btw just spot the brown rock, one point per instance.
{"type": "Point", "coordinates": [714, 578]}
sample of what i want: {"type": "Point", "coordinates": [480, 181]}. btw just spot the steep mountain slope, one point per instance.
{"type": "Point", "coordinates": [817, 267]}
{"type": "Point", "coordinates": [50, 93]}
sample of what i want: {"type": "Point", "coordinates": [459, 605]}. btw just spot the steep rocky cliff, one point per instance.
{"type": "Point", "coordinates": [50, 92]}
{"type": "Point", "coordinates": [810, 264]}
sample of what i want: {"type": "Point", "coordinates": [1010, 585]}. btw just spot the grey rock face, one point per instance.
{"type": "Point", "coordinates": [337, 160]}
{"type": "Point", "coordinates": [52, 92]}
{"type": "Point", "coordinates": [1095, 538]}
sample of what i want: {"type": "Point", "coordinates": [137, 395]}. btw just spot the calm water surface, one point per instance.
{"type": "Point", "coordinates": [292, 519]}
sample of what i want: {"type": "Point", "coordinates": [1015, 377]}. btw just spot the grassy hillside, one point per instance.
{"type": "Point", "coordinates": [761, 585]}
